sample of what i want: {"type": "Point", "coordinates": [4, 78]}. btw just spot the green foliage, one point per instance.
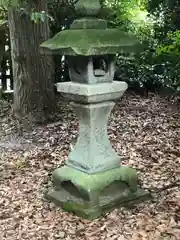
{"type": "Point", "coordinates": [156, 24]}
{"type": "Point", "coordinates": [172, 45]}
{"type": "Point", "coordinates": [5, 4]}
{"type": "Point", "coordinates": [22, 6]}
{"type": "Point", "coordinates": [40, 16]}
{"type": "Point", "coordinates": [128, 12]}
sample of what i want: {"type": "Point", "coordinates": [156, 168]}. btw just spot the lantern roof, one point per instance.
{"type": "Point", "coordinates": [90, 36]}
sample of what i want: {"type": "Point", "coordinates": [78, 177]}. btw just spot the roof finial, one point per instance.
{"type": "Point", "coordinates": [89, 8]}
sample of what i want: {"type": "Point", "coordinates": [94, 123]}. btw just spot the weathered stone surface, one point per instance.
{"type": "Point", "coordinates": [93, 93]}
{"type": "Point", "coordinates": [89, 195]}
{"type": "Point", "coordinates": [96, 181]}
{"type": "Point", "coordinates": [91, 70]}
{"type": "Point", "coordinates": [93, 151]}
{"type": "Point", "coordinates": [87, 8]}
{"type": "Point", "coordinates": [89, 42]}
{"type": "Point", "coordinates": [89, 23]}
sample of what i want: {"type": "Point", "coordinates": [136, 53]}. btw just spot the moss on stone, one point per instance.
{"type": "Point", "coordinates": [87, 7]}
{"type": "Point", "coordinates": [93, 182]}
{"type": "Point", "coordinates": [90, 211]}
{"type": "Point", "coordinates": [89, 42]}
{"type": "Point", "coordinates": [89, 23]}
{"type": "Point", "coordinates": [81, 211]}
{"type": "Point", "coordinates": [105, 190]}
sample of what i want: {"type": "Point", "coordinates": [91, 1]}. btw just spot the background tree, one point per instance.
{"type": "Point", "coordinates": [33, 72]}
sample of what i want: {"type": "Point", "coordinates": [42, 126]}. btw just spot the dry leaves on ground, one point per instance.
{"type": "Point", "coordinates": [145, 131]}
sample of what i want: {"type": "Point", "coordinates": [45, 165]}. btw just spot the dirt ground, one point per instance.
{"type": "Point", "coordinates": [145, 132]}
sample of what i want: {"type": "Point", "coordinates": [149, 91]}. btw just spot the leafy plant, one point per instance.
{"type": "Point", "coordinates": [40, 16]}
{"type": "Point", "coordinates": [172, 44]}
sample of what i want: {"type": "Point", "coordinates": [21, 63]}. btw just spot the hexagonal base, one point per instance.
{"type": "Point", "coordinates": [89, 196]}
{"type": "Point", "coordinates": [92, 93]}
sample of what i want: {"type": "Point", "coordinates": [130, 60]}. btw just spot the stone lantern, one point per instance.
{"type": "Point", "coordinates": [92, 179]}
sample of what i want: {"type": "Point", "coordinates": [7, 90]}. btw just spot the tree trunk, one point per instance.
{"type": "Point", "coordinates": [32, 71]}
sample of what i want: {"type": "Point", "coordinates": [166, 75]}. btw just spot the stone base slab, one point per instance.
{"type": "Point", "coordinates": [89, 195]}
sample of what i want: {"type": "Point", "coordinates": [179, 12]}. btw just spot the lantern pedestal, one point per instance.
{"type": "Point", "coordinates": [93, 152]}
{"type": "Point", "coordinates": [93, 180]}
{"type": "Point", "coordinates": [90, 195]}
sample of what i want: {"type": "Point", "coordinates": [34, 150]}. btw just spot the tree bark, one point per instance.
{"type": "Point", "coordinates": [32, 71]}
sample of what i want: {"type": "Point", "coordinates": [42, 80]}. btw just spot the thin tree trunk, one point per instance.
{"type": "Point", "coordinates": [32, 71]}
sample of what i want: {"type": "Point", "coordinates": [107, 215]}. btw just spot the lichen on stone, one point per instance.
{"type": "Point", "coordinates": [87, 7]}
{"type": "Point", "coordinates": [91, 42]}
{"type": "Point", "coordinates": [91, 182]}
